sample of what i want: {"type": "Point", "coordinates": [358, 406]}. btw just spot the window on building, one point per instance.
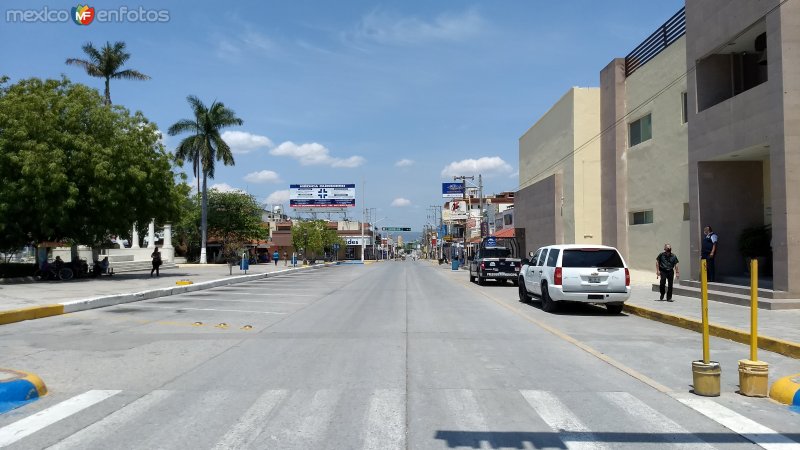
{"type": "Point", "coordinates": [642, 217]}
{"type": "Point", "coordinates": [685, 110]}
{"type": "Point", "coordinates": [640, 130]}
{"type": "Point", "coordinates": [508, 219]}
{"type": "Point", "coordinates": [686, 211]}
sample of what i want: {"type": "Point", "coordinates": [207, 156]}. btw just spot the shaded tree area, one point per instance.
{"type": "Point", "coordinates": [313, 237]}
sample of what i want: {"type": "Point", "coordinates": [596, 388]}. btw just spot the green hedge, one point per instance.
{"type": "Point", "coordinates": [14, 270]}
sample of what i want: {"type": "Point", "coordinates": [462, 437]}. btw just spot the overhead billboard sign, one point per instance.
{"type": "Point", "coordinates": [326, 196]}
{"type": "Point", "coordinates": [454, 210]}
{"type": "Point", "coordinates": [396, 228]}
{"type": "Point", "coordinates": [453, 190]}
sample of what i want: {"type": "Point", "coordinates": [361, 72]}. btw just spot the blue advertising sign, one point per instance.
{"type": "Point", "coordinates": [322, 195]}
{"type": "Point", "coordinates": [490, 241]}
{"type": "Point", "coordinates": [443, 230]}
{"type": "Point", "coordinates": [453, 190]}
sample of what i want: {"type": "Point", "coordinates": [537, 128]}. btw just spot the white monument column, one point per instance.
{"type": "Point", "coordinates": [167, 235]}
{"type": "Point", "coordinates": [134, 237]}
{"type": "Point", "coordinates": [151, 234]}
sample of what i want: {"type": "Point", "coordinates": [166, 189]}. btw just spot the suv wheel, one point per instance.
{"type": "Point", "coordinates": [548, 305]}
{"type": "Point", "coordinates": [614, 308]}
{"type": "Point", "coordinates": [481, 280]}
{"type": "Point", "coordinates": [524, 297]}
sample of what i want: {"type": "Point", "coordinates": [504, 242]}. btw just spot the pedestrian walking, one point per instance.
{"type": "Point", "coordinates": [285, 258]}
{"type": "Point", "coordinates": [667, 269]}
{"type": "Point", "coordinates": [276, 256]}
{"type": "Point", "coordinates": [709, 251]}
{"type": "Point", "coordinates": [156, 255]}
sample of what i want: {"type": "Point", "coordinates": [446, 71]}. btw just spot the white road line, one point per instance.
{"type": "Point", "coordinates": [385, 422]}
{"type": "Point", "coordinates": [111, 423]}
{"type": "Point", "coordinates": [303, 423]}
{"type": "Point", "coordinates": [219, 300]}
{"type": "Point", "coordinates": [570, 429]}
{"type": "Point", "coordinates": [655, 421]}
{"type": "Point", "coordinates": [252, 423]}
{"type": "Point", "coordinates": [464, 408]}
{"type": "Point", "coordinates": [29, 425]}
{"type": "Point", "coordinates": [278, 295]}
{"type": "Point", "coordinates": [206, 309]}
{"type": "Point", "coordinates": [747, 428]}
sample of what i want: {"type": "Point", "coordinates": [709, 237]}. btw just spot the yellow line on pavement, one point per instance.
{"type": "Point", "coordinates": [34, 312]}
{"type": "Point", "coordinates": [560, 334]}
{"type": "Point", "coordinates": [786, 348]}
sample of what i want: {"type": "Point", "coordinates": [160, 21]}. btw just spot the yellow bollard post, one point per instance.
{"type": "Point", "coordinates": [705, 373]}
{"type": "Point", "coordinates": [753, 374]}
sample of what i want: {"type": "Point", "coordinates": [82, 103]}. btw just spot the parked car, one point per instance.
{"type": "Point", "coordinates": [576, 273]}
{"type": "Point", "coordinates": [494, 262]}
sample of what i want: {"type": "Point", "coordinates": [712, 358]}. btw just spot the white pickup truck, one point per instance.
{"type": "Point", "coordinates": [576, 273]}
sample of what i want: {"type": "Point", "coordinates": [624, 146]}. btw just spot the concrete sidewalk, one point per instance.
{"type": "Point", "coordinates": [30, 299]}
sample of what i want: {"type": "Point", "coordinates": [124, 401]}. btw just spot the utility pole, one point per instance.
{"type": "Point", "coordinates": [480, 199]}
{"type": "Point", "coordinates": [469, 203]}
{"type": "Point", "coordinates": [363, 217]}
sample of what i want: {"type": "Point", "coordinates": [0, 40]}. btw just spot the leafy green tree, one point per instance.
{"type": "Point", "coordinates": [235, 219]}
{"type": "Point", "coordinates": [105, 63]}
{"type": "Point", "coordinates": [74, 169]}
{"type": "Point", "coordinates": [204, 147]}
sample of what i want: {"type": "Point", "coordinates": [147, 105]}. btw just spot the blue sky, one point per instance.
{"type": "Point", "coordinates": [397, 95]}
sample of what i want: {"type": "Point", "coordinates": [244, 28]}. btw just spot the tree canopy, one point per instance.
{"type": "Point", "coordinates": [235, 219]}
{"type": "Point", "coordinates": [72, 168]}
{"type": "Point", "coordinates": [105, 63]}
{"type": "Point", "coordinates": [314, 236]}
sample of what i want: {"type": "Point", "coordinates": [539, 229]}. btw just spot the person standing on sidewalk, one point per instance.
{"type": "Point", "coordinates": [667, 269]}
{"type": "Point", "coordinates": [285, 258]}
{"type": "Point", "coordinates": [156, 255]}
{"type": "Point", "coordinates": [708, 251]}
{"type": "Point", "coordinates": [276, 256]}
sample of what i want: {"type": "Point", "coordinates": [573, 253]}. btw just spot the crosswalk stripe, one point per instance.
{"type": "Point", "coordinates": [252, 422]}
{"type": "Point", "coordinates": [654, 420]}
{"type": "Point", "coordinates": [464, 408]}
{"type": "Point", "coordinates": [751, 430]}
{"type": "Point", "coordinates": [571, 430]}
{"type": "Point", "coordinates": [29, 425]}
{"type": "Point", "coordinates": [112, 422]}
{"type": "Point", "coordinates": [385, 423]}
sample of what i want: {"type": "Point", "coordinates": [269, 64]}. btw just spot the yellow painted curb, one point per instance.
{"type": "Point", "coordinates": [34, 312]}
{"type": "Point", "coordinates": [786, 390]}
{"type": "Point", "coordinates": [786, 348]}
{"type": "Point", "coordinates": [183, 282]}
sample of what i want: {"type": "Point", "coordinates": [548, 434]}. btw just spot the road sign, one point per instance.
{"type": "Point", "coordinates": [490, 241]}
{"type": "Point", "coordinates": [396, 229]}
{"type": "Point", "coordinates": [330, 196]}
{"type": "Point", "coordinates": [453, 190]}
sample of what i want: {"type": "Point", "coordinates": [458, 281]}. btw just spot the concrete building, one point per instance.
{"type": "Point", "coordinates": [559, 170]}
{"type": "Point", "coordinates": [644, 145]}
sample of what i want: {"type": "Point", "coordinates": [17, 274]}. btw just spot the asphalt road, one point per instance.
{"type": "Point", "coordinates": [386, 356]}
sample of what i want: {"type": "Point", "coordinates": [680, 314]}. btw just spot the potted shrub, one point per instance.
{"type": "Point", "coordinates": [755, 242]}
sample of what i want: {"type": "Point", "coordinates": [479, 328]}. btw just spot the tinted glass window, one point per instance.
{"type": "Point", "coordinates": [535, 257]}
{"type": "Point", "coordinates": [542, 257]}
{"type": "Point", "coordinates": [552, 257]}
{"type": "Point", "coordinates": [496, 252]}
{"type": "Point", "coordinates": [591, 258]}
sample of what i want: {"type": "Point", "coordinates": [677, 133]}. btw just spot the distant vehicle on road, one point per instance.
{"type": "Point", "coordinates": [493, 261]}
{"type": "Point", "coordinates": [576, 273]}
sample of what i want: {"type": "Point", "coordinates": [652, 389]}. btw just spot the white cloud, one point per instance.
{"type": "Point", "coordinates": [311, 154]}
{"type": "Point", "coordinates": [224, 187]}
{"type": "Point", "coordinates": [387, 28]}
{"type": "Point", "coordinates": [404, 163]}
{"type": "Point", "coordinates": [278, 197]}
{"type": "Point", "coordinates": [235, 45]}
{"type": "Point", "coordinates": [244, 142]}
{"type": "Point", "coordinates": [401, 202]}
{"type": "Point", "coordinates": [487, 165]}
{"type": "Point", "coordinates": [264, 176]}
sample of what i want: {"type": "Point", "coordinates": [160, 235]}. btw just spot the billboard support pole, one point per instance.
{"type": "Point", "coordinates": [363, 216]}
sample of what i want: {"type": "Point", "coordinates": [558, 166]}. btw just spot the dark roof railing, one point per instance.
{"type": "Point", "coordinates": [664, 36]}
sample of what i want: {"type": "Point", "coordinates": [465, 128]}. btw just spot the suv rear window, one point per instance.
{"type": "Point", "coordinates": [496, 252]}
{"type": "Point", "coordinates": [591, 258]}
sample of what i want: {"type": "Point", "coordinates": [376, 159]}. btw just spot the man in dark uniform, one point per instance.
{"type": "Point", "coordinates": [708, 251]}
{"type": "Point", "coordinates": [667, 269]}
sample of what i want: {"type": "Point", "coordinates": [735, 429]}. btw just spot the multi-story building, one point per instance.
{"type": "Point", "coordinates": [559, 169]}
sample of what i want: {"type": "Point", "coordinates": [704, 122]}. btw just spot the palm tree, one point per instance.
{"type": "Point", "coordinates": [106, 62]}
{"type": "Point", "coordinates": [204, 147]}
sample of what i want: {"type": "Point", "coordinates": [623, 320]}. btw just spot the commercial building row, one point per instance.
{"type": "Point", "coordinates": [699, 125]}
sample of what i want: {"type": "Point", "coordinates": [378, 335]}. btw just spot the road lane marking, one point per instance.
{"type": "Point", "coordinates": [464, 408]}
{"type": "Point", "coordinates": [276, 295]}
{"type": "Point", "coordinates": [244, 301]}
{"type": "Point", "coordinates": [557, 416]}
{"type": "Point", "coordinates": [111, 423]}
{"type": "Point", "coordinates": [654, 420]}
{"type": "Point", "coordinates": [205, 309]}
{"type": "Point", "coordinates": [751, 430]}
{"type": "Point", "coordinates": [385, 421]}
{"type": "Point", "coordinates": [252, 423]}
{"type": "Point", "coordinates": [304, 423]}
{"type": "Point", "coordinates": [29, 425]}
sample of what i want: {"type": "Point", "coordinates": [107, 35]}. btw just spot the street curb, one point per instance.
{"type": "Point", "coordinates": [21, 388]}
{"type": "Point", "coordinates": [786, 390]}
{"type": "Point", "coordinates": [786, 348]}
{"type": "Point", "coordinates": [38, 312]}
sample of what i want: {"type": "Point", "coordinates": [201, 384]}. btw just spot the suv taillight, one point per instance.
{"type": "Point", "coordinates": [627, 277]}
{"type": "Point", "coordinates": [557, 280]}
{"type": "Point", "coordinates": [483, 266]}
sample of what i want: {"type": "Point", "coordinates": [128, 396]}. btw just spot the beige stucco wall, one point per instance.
{"type": "Point", "coordinates": [657, 172]}
{"type": "Point", "coordinates": [549, 147]}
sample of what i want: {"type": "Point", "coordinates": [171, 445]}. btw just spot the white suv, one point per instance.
{"type": "Point", "coordinates": [577, 273]}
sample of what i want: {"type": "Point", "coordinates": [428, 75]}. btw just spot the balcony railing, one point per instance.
{"type": "Point", "coordinates": [664, 36]}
